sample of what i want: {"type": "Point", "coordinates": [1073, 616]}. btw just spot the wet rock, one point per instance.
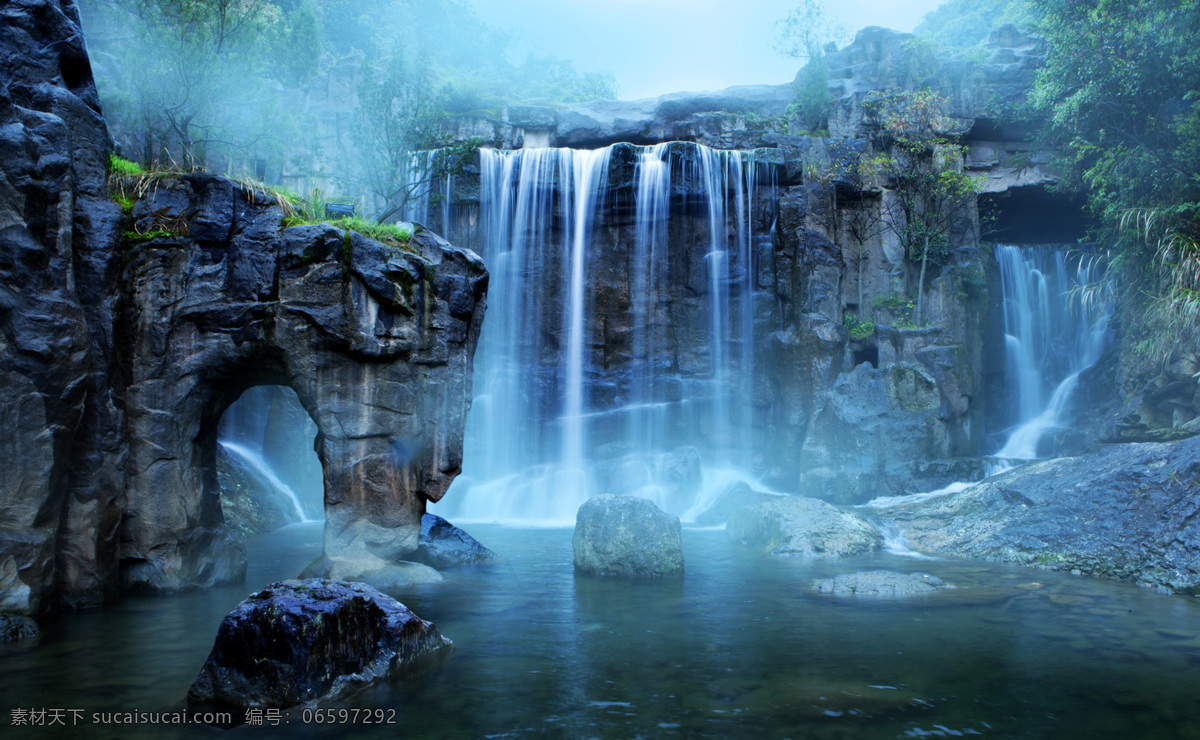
{"type": "Point", "coordinates": [306, 641]}
{"type": "Point", "coordinates": [444, 545]}
{"type": "Point", "coordinates": [627, 536]}
{"type": "Point", "coordinates": [733, 497]}
{"type": "Point", "coordinates": [803, 526]}
{"type": "Point", "coordinates": [1123, 512]}
{"type": "Point", "coordinates": [881, 583]}
{"type": "Point", "coordinates": [15, 627]}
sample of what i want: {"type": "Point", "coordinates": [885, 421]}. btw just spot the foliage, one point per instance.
{"type": "Point", "coordinates": [807, 34]}
{"type": "Point", "coordinates": [1120, 91]}
{"type": "Point", "coordinates": [806, 31]}
{"type": "Point", "coordinates": [924, 168]}
{"type": "Point", "coordinates": [963, 25]}
{"type": "Point", "coordinates": [902, 308]}
{"type": "Point", "coordinates": [858, 330]}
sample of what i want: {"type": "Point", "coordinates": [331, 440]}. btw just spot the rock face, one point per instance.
{"type": "Point", "coordinates": [61, 453]}
{"type": "Point", "coordinates": [119, 354]}
{"type": "Point", "coordinates": [444, 545]}
{"type": "Point", "coordinates": [627, 536]}
{"type": "Point", "coordinates": [805, 527]}
{"type": "Point", "coordinates": [310, 641]}
{"type": "Point", "coordinates": [881, 583]}
{"type": "Point", "coordinates": [1123, 512]}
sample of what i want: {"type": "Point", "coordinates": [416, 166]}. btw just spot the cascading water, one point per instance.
{"type": "Point", "coordinates": [253, 460]}
{"type": "Point", "coordinates": [1048, 342]}
{"type": "Point", "coordinates": [267, 433]}
{"type": "Point", "coordinates": [581, 384]}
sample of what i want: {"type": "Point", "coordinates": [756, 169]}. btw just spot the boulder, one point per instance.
{"type": "Point", "coordinates": [1125, 511]}
{"type": "Point", "coordinates": [444, 545]}
{"type": "Point", "coordinates": [307, 641]}
{"type": "Point", "coordinates": [627, 536]}
{"type": "Point", "coordinates": [881, 583]}
{"type": "Point", "coordinates": [803, 526]}
{"type": "Point", "coordinates": [733, 497]}
{"type": "Point", "coordinates": [15, 627]}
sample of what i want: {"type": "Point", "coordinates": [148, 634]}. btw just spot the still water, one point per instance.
{"type": "Point", "coordinates": [739, 648]}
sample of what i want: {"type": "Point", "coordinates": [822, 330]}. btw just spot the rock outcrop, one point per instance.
{"type": "Point", "coordinates": [1124, 512]}
{"type": "Point", "coordinates": [627, 536]}
{"type": "Point", "coordinates": [803, 527]}
{"type": "Point", "coordinates": [881, 583]}
{"type": "Point", "coordinates": [310, 641]}
{"type": "Point", "coordinates": [119, 353]}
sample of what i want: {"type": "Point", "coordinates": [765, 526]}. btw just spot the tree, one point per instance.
{"type": "Point", "coordinates": [191, 75]}
{"type": "Point", "coordinates": [807, 35]}
{"type": "Point", "coordinates": [924, 168]}
{"type": "Point", "coordinates": [399, 116]}
{"type": "Point", "coordinates": [1119, 89]}
{"type": "Point", "coordinates": [959, 25]}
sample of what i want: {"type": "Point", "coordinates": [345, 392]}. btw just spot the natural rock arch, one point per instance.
{"type": "Point", "coordinates": [375, 341]}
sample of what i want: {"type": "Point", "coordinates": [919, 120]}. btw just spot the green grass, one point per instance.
{"type": "Point", "coordinates": [120, 166]}
{"type": "Point", "coordinates": [858, 330]}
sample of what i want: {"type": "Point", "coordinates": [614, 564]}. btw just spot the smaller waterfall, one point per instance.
{"type": "Point", "coordinates": [254, 461]}
{"type": "Point", "coordinates": [1048, 342]}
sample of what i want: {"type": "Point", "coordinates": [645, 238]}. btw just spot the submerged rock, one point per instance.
{"type": "Point", "coordinates": [444, 545]}
{"type": "Point", "coordinates": [732, 498]}
{"type": "Point", "coordinates": [310, 641]}
{"type": "Point", "coordinates": [627, 536]}
{"type": "Point", "coordinates": [1126, 512]}
{"type": "Point", "coordinates": [803, 526]}
{"type": "Point", "coordinates": [389, 577]}
{"type": "Point", "coordinates": [881, 583]}
{"type": "Point", "coordinates": [14, 627]}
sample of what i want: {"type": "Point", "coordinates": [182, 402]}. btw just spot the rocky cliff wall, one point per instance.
{"type": "Point", "coordinates": [125, 338]}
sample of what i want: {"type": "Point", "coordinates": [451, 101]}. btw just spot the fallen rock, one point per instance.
{"type": "Point", "coordinates": [803, 526]}
{"type": "Point", "coordinates": [310, 641]}
{"type": "Point", "coordinates": [1126, 511]}
{"type": "Point", "coordinates": [14, 627]}
{"type": "Point", "coordinates": [627, 536]}
{"type": "Point", "coordinates": [444, 545]}
{"type": "Point", "coordinates": [881, 583]}
{"type": "Point", "coordinates": [735, 496]}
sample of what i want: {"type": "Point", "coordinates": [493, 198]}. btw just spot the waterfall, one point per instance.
{"type": "Point", "coordinates": [259, 467]}
{"type": "Point", "coordinates": [1048, 342]}
{"type": "Point", "coordinates": [614, 339]}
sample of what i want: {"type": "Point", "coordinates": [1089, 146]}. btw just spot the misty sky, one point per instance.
{"type": "Point", "coordinates": [660, 46]}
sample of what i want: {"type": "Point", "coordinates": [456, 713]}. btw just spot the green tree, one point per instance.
{"type": "Point", "coordinates": [807, 34]}
{"type": "Point", "coordinates": [924, 168]}
{"type": "Point", "coordinates": [959, 25]}
{"type": "Point", "coordinates": [1120, 91]}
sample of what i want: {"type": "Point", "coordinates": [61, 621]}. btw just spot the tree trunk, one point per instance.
{"type": "Point", "coordinates": [921, 280]}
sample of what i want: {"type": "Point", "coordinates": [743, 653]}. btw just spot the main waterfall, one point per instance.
{"type": "Point", "coordinates": [617, 352]}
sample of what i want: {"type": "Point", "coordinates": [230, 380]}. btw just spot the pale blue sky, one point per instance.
{"type": "Point", "coordinates": [660, 46]}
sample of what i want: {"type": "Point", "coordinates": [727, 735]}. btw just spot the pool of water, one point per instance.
{"type": "Point", "coordinates": [739, 647]}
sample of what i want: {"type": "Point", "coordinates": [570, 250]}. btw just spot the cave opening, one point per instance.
{"type": "Point", "coordinates": [268, 472]}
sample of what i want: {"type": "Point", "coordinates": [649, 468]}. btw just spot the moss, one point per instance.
{"type": "Point", "coordinates": [393, 235]}
{"type": "Point", "coordinates": [136, 237]}
{"type": "Point", "coordinates": [120, 166]}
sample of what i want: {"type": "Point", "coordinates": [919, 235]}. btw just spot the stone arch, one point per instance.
{"type": "Point", "coordinates": [376, 341]}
